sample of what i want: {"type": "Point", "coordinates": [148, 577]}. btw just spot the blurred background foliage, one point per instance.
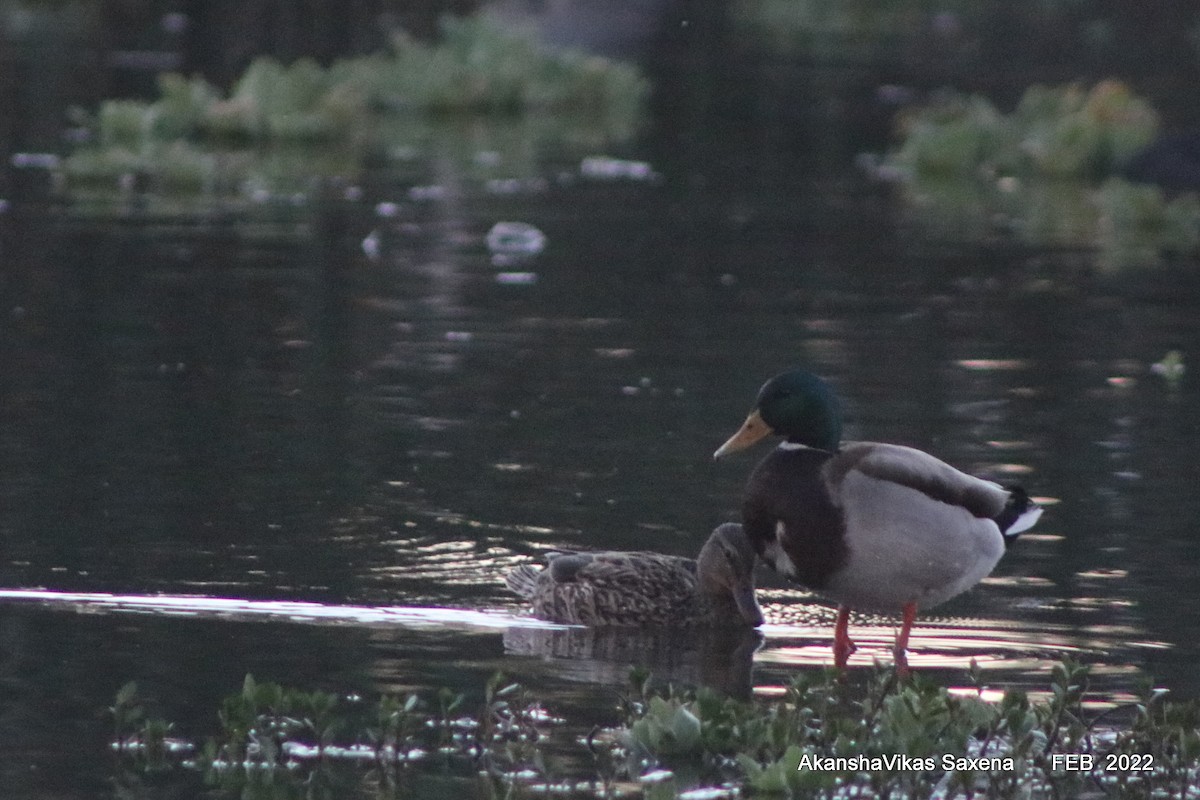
{"type": "Point", "coordinates": [976, 113]}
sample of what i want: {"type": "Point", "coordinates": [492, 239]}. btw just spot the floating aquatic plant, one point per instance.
{"type": "Point", "coordinates": [1041, 175]}
{"type": "Point", "coordinates": [142, 737]}
{"type": "Point", "coordinates": [1137, 221]}
{"type": "Point", "coordinates": [954, 134]}
{"type": "Point", "coordinates": [668, 727]}
{"type": "Point", "coordinates": [1170, 368]}
{"type": "Point", "coordinates": [825, 737]}
{"type": "Point", "coordinates": [482, 81]}
{"type": "Point", "coordinates": [478, 67]}
{"type": "Point", "coordinates": [1123, 223]}
{"type": "Point", "coordinates": [1061, 131]}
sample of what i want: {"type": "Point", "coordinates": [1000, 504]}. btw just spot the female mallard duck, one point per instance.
{"type": "Point", "coordinates": [626, 589]}
{"type": "Point", "coordinates": [871, 526]}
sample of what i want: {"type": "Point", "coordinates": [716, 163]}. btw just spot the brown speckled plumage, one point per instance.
{"type": "Point", "coordinates": [631, 589]}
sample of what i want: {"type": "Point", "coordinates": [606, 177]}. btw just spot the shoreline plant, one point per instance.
{"type": "Point", "coordinates": [825, 736]}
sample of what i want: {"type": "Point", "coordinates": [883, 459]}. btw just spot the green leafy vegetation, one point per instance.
{"type": "Point", "coordinates": [1061, 132]}
{"type": "Point", "coordinates": [1043, 175]}
{"type": "Point", "coordinates": [196, 140]}
{"type": "Point", "coordinates": [1120, 224]}
{"type": "Point", "coordinates": [478, 67]}
{"type": "Point", "coordinates": [824, 736]}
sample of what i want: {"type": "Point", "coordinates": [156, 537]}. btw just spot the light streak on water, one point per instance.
{"type": "Point", "coordinates": [276, 610]}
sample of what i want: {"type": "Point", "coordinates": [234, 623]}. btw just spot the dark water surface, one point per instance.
{"type": "Point", "coordinates": [257, 410]}
{"type": "Point", "coordinates": [260, 411]}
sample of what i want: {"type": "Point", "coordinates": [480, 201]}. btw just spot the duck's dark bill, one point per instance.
{"type": "Point", "coordinates": [751, 431]}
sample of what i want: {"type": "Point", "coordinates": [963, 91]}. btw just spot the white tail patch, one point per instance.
{"type": "Point", "coordinates": [1025, 521]}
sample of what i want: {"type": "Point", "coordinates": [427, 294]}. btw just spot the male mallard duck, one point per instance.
{"type": "Point", "coordinates": [872, 526]}
{"type": "Point", "coordinates": [612, 588]}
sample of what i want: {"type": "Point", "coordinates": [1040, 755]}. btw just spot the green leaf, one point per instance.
{"type": "Point", "coordinates": [127, 694]}
{"type": "Point", "coordinates": [685, 727]}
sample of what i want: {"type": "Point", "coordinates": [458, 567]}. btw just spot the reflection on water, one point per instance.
{"type": "Point", "coordinates": [407, 429]}
{"type": "Point", "coordinates": [352, 448]}
{"type": "Point", "coordinates": [401, 431]}
{"type": "Point", "coordinates": [289, 611]}
{"type": "Point", "coordinates": [798, 634]}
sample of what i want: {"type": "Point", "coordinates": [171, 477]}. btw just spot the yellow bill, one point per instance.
{"type": "Point", "coordinates": [751, 431]}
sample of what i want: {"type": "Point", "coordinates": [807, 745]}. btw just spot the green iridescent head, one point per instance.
{"type": "Point", "coordinates": [796, 405]}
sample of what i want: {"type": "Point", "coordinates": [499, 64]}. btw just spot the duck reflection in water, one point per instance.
{"type": "Point", "coordinates": [656, 595]}
{"type": "Point", "coordinates": [720, 658]}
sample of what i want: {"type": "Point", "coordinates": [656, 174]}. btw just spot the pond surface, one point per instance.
{"type": "Point", "coordinates": [260, 411]}
{"type": "Point", "coordinates": [308, 442]}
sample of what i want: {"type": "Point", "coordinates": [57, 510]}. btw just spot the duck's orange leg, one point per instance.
{"type": "Point", "coordinates": [842, 646]}
{"type": "Point", "coordinates": [900, 651]}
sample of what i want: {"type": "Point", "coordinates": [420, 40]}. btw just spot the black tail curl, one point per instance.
{"type": "Point", "coordinates": [1018, 506]}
